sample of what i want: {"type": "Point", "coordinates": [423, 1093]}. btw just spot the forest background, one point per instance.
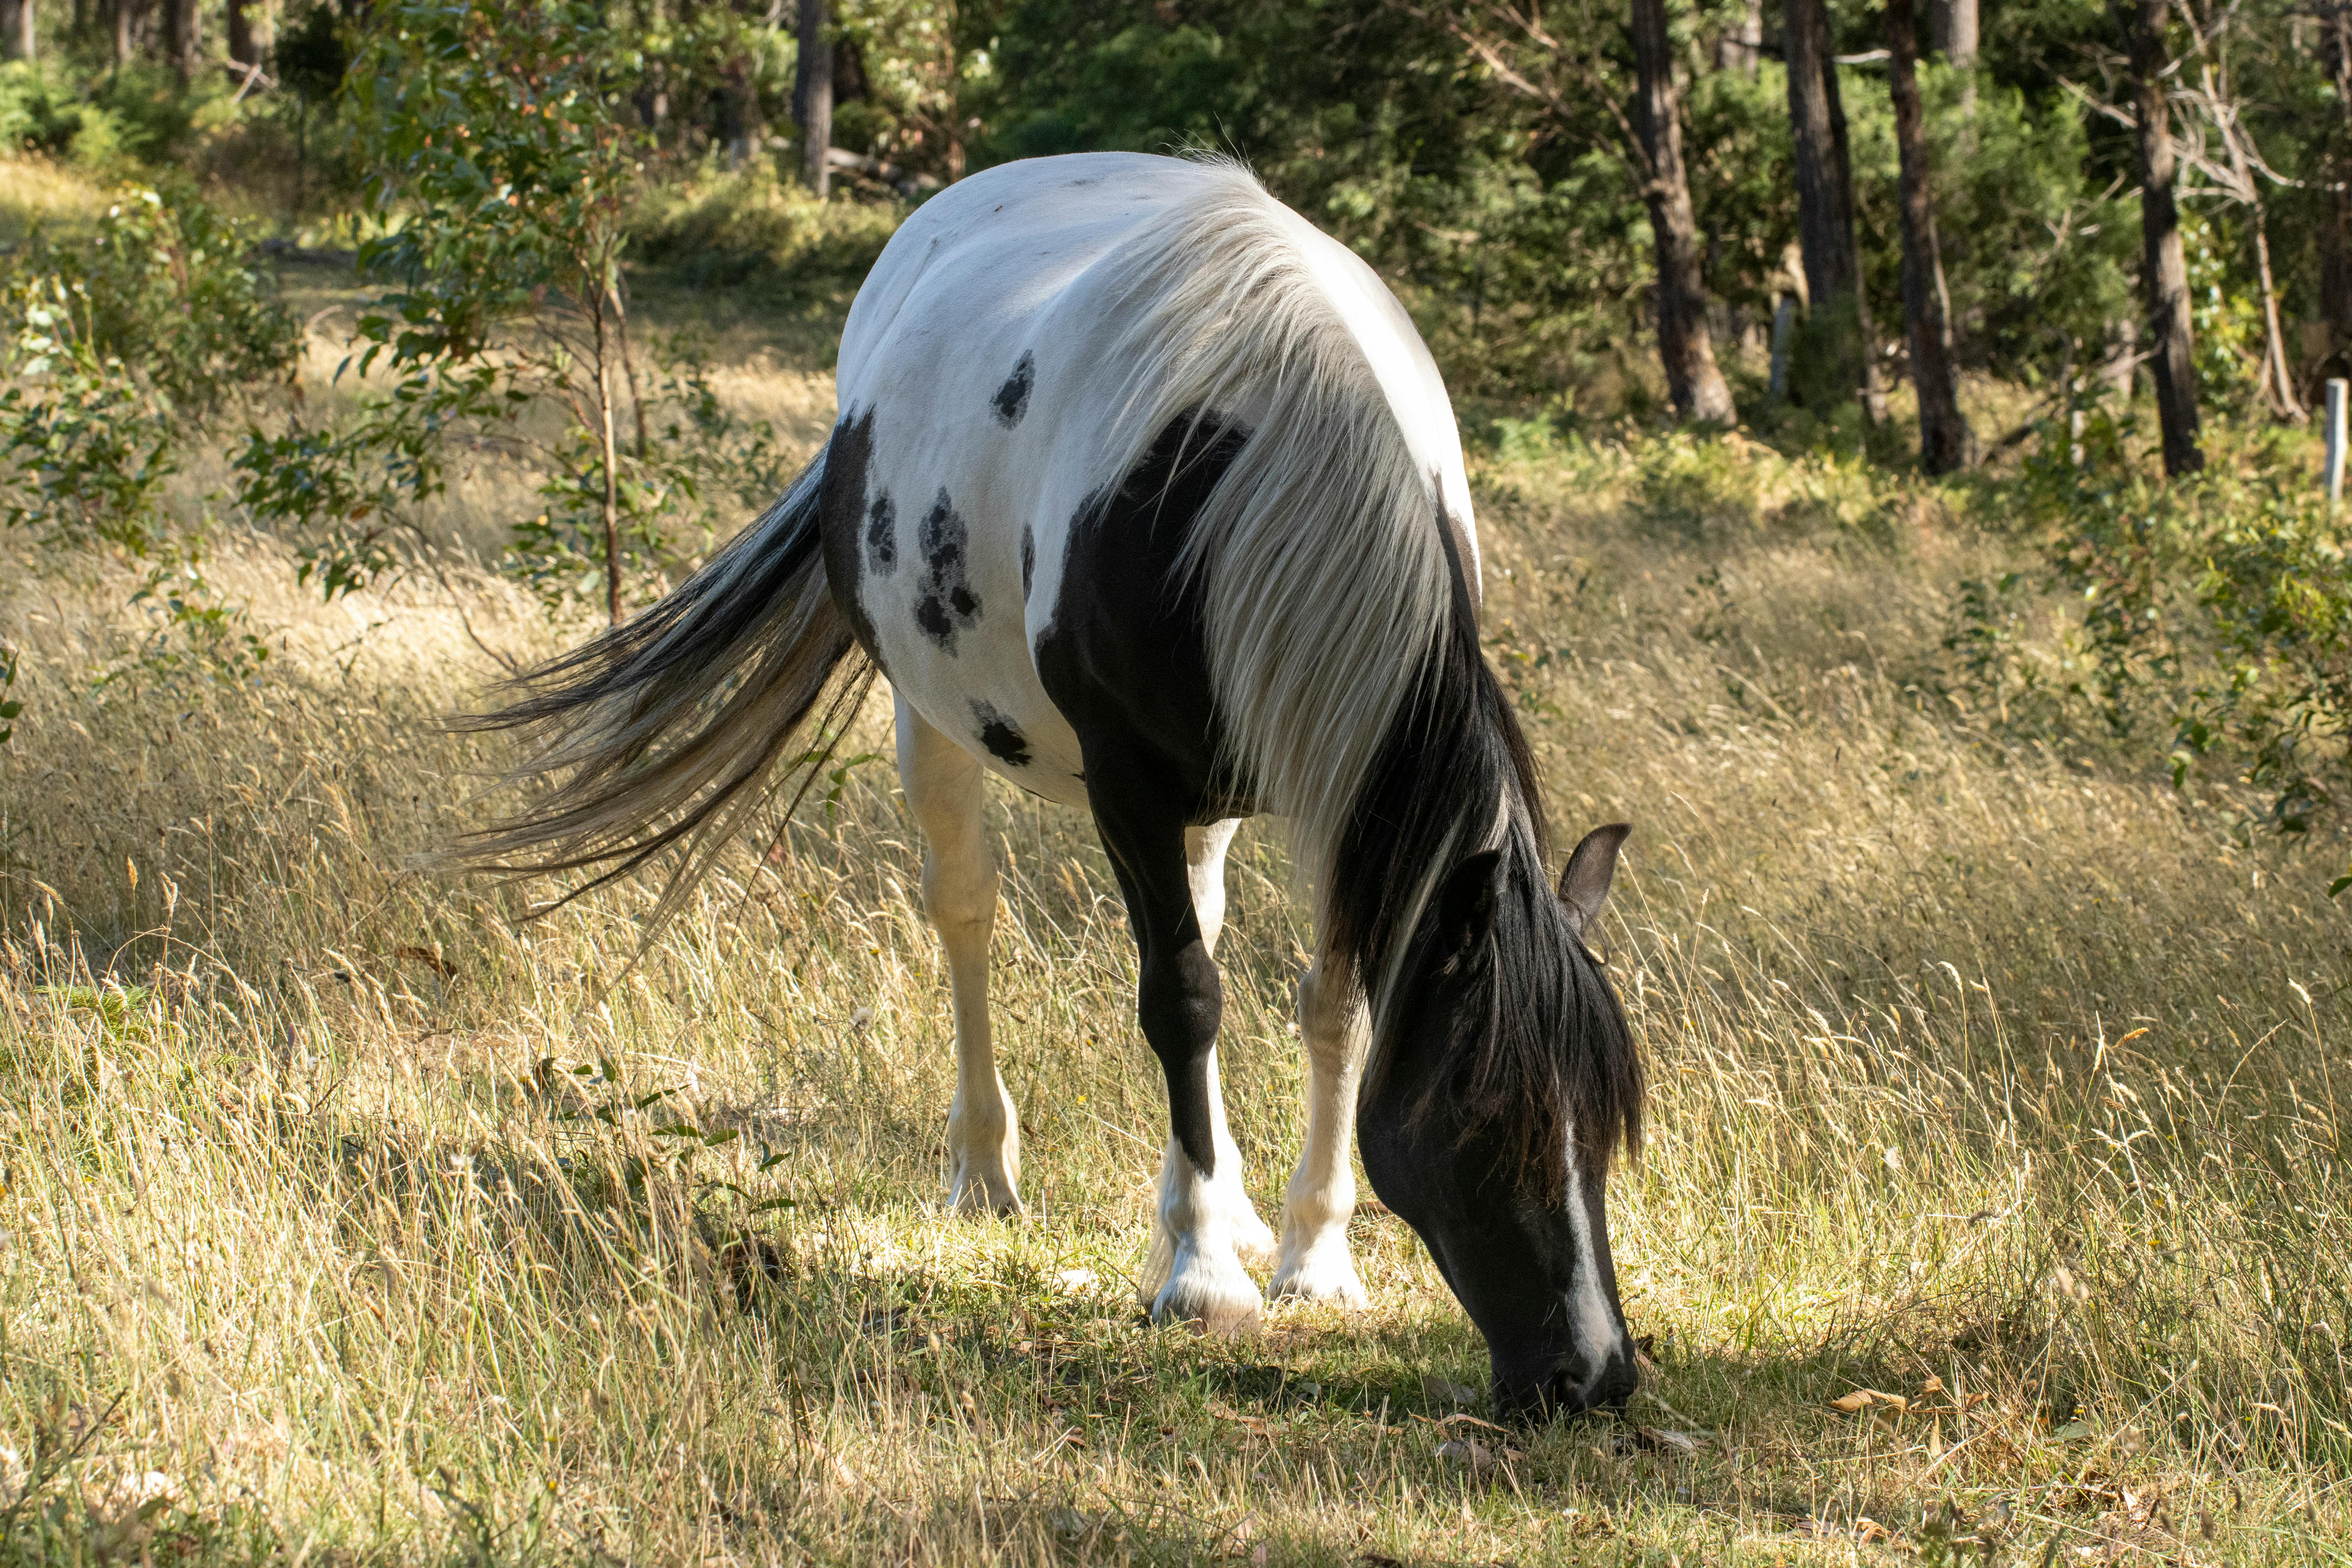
{"type": "Point", "coordinates": [1791, 217]}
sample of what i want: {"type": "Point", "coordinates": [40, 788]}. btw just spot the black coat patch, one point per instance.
{"type": "Point", "coordinates": [1000, 735]}
{"type": "Point", "coordinates": [1011, 399]}
{"type": "Point", "coordinates": [1126, 657]}
{"type": "Point", "coordinates": [882, 536]}
{"type": "Point", "coordinates": [1028, 560]}
{"type": "Point", "coordinates": [947, 604]}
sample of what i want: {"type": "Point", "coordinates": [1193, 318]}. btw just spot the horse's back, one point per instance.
{"type": "Point", "coordinates": [981, 398]}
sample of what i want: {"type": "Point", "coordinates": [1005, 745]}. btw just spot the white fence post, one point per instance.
{"type": "Point", "coordinates": [2337, 387]}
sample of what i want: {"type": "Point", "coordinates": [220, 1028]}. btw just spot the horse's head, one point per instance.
{"type": "Point", "coordinates": [1505, 1076]}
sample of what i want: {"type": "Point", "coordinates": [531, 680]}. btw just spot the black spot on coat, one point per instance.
{"type": "Point", "coordinates": [882, 536]}
{"type": "Point", "coordinates": [1028, 560]}
{"type": "Point", "coordinates": [1011, 399]}
{"type": "Point", "coordinates": [946, 603]}
{"type": "Point", "coordinates": [1003, 738]}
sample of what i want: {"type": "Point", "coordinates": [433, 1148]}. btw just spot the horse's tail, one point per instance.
{"type": "Point", "coordinates": [668, 729]}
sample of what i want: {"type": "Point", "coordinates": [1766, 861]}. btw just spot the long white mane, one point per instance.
{"type": "Point", "coordinates": [1326, 584]}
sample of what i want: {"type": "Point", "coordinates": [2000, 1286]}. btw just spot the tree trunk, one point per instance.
{"type": "Point", "coordinates": [16, 29]}
{"type": "Point", "coordinates": [1785, 310]}
{"type": "Point", "coordinates": [1692, 380]}
{"type": "Point", "coordinates": [2165, 266]}
{"type": "Point", "coordinates": [180, 41]}
{"type": "Point", "coordinates": [2335, 271]}
{"type": "Point", "coordinates": [242, 46]}
{"type": "Point", "coordinates": [2335, 224]}
{"type": "Point", "coordinates": [813, 96]}
{"type": "Point", "coordinates": [1952, 30]}
{"type": "Point", "coordinates": [1874, 391]}
{"type": "Point", "coordinates": [609, 451]}
{"type": "Point", "coordinates": [653, 91]}
{"type": "Point", "coordinates": [1838, 324]}
{"type": "Point", "coordinates": [1789, 306]}
{"type": "Point", "coordinates": [1952, 33]}
{"type": "Point", "coordinates": [126, 23]}
{"type": "Point", "coordinates": [652, 99]}
{"type": "Point", "coordinates": [1944, 437]}
{"type": "Point", "coordinates": [2278, 377]}
{"type": "Point", "coordinates": [736, 98]}
{"type": "Point", "coordinates": [2120, 368]}
{"type": "Point", "coordinates": [1741, 47]}
{"type": "Point", "coordinates": [2276, 369]}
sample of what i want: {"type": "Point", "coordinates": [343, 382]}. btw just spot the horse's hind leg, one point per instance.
{"type": "Point", "coordinates": [1316, 1265]}
{"type": "Point", "coordinates": [943, 787]}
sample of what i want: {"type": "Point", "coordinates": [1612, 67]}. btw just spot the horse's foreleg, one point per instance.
{"type": "Point", "coordinates": [1205, 863]}
{"type": "Point", "coordinates": [1195, 1274]}
{"type": "Point", "coordinates": [1316, 1265]}
{"type": "Point", "coordinates": [943, 787]}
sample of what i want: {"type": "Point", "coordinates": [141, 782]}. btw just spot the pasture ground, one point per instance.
{"type": "Point", "coordinates": [348, 1219]}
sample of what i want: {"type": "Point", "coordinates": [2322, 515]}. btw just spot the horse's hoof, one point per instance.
{"type": "Point", "coordinates": [1324, 1278]}
{"type": "Point", "coordinates": [1213, 1297]}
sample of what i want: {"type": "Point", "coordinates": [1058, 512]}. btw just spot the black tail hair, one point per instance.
{"type": "Point", "coordinates": [671, 728]}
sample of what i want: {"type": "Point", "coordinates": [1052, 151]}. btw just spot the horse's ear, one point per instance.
{"type": "Point", "coordinates": [1584, 885]}
{"type": "Point", "coordinates": [1466, 905]}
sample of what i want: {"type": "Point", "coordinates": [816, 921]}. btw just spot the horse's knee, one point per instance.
{"type": "Point", "coordinates": [1329, 1022]}
{"type": "Point", "coordinates": [959, 893]}
{"type": "Point", "coordinates": [1178, 1000]}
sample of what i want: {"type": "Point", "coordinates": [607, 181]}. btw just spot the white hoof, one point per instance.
{"type": "Point", "coordinates": [1212, 1294]}
{"type": "Point", "coordinates": [1325, 1275]}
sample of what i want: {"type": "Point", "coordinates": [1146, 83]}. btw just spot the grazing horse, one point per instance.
{"type": "Point", "coordinates": [1147, 495]}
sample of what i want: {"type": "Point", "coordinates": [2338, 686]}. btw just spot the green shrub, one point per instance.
{"type": "Point", "coordinates": [119, 343]}
{"type": "Point", "coordinates": [116, 347]}
{"type": "Point", "coordinates": [174, 291]}
{"type": "Point", "coordinates": [153, 114]}
{"type": "Point", "coordinates": [503, 175]}
{"type": "Point", "coordinates": [2213, 615]}
{"type": "Point", "coordinates": [753, 227]}
{"type": "Point", "coordinates": [42, 113]}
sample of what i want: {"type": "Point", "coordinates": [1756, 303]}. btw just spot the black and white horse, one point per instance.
{"type": "Point", "coordinates": [1146, 495]}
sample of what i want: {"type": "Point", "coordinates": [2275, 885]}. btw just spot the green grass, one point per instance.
{"type": "Point", "coordinates": [347, 1219]}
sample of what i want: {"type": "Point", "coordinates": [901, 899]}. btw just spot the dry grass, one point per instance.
{"type": "Point", "coordinates": [345, 1216]}
{"type": "Point", "coordinates": [37, 192]}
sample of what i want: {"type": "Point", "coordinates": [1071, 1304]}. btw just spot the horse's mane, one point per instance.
{"type": "Point", "coordinates": [1554, 1066]}
{"type": "Point", "coordinates": [1343, 647]}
